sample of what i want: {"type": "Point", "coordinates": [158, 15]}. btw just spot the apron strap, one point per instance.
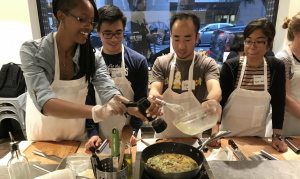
{"type": "Point", "coordinates": [123, 63]}
{"type": "Point", "coordinates": [172, 71]}
{"type": "Point", "coordinates": [265, 75]}
{"type": "Point", "coordinates": [242, 72]}
{"type": "Point", "coordinates": [56, 57]}
{"type": "Point", "coordinates": [191, 72]}
{"type": "Point", "coordinates": [123, 70]}
{"type": "Point", "coordinates": [291, 57]}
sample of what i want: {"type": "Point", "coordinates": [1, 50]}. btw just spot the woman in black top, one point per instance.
{"type": "Point", "coordinates": [250, 84]}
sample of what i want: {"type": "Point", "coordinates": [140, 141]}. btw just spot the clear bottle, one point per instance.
{"type": "Point", "coordinates": [128, 158]}
{"type": "Point", "coordinates": [18, 165]}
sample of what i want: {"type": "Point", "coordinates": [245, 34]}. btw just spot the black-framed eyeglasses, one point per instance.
{"type": "Point", "coordinates": [83, 22]}
{"type": "Point", "coordinates": [248, 43]}
{"type": "Point", "coordinates": [109, 35]}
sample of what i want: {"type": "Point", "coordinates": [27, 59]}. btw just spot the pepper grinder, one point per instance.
{"type": "Point", "coordinates": [158, 124]}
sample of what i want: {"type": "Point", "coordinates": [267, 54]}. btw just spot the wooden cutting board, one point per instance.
{"type": "Point", "coordinates": [61, 149]}
{"type": "Point", "coordinates": [251, 146]}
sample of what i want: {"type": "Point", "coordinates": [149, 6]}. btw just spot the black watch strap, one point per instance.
{"type": "Point", "coordinates": [277, 136]}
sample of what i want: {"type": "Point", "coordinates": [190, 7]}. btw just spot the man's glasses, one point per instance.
{"type": "Point", "coordinates": [109, 35]}
{"type": "Point", "coordinates": [83, 22]}
{"type": "Point", "coordinates": [248, 43]}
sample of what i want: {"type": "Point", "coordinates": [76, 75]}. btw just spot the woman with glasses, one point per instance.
{"type": "Point", "coordinates": [251, 83]}
{"type": "Point", "coordinates": [291, 58]}
{"type": "Point", "coordinates": [57, 70]}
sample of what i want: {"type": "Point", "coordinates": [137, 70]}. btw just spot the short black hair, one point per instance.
{"type": "Point", "coordinates": [265, 25]}
{"type": "Point", "coordinates": [139, 2]}
{"type": "Point", "coordinates": [237, 43]}
{"type": "Point", "coordinates": [111, 14]}
{"type": "Point", "coordinates": [184, 16]}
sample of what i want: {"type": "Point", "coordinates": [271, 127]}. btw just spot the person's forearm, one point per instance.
{"type": "Point", "coordinates": [276, 131]}
{"type": "Point", "coordinates": [216, 129]}
{"type": "Point", "coordinates": [292, 107]}
{"type": "Point", "coordinates": [66, 110]}
{"type": "Point", "coordinates": [215, 94]}
{"type": "Point", "coordinates": [156, 89]}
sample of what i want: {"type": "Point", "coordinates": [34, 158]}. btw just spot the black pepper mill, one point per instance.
{"type": "Point", "coordinates": [158, 124]}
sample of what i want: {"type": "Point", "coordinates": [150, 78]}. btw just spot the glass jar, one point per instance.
{"type": "Point", "coordinates": [128, 158]}
{"type": "Point", "coordinates": [18, 165]}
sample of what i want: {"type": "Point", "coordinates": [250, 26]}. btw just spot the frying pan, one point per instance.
{"type": "Point", "coordinates": [177, 148]}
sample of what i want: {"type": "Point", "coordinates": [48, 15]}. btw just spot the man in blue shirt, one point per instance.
{"type": "Point", "coordinates": [127, 68]}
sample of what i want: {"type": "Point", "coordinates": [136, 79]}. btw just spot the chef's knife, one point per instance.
{"type": "Point", "coordinates": [258, 157]}
{"type": "Point", "coordinates": [267, 155]}
{"type": "Point", "coordinates": [115, 148]}
{"type": "Point", "coordinates": [51, 157]}
{"type": "Point", "coordinates": [237, 152]}
{"type": "Point", "coordinates": [291, 145]}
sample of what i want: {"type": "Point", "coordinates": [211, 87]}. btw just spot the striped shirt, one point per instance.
{"type": "Point", "coordinates": [249, 73]}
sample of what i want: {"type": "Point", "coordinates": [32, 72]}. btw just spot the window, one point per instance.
{"type": "Point", "coordinates": [212, 27]}
{"type": "Point", "coordinates": [147, 29]}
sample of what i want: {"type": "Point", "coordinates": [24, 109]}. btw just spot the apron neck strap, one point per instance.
{"type": "Point", "coordinates": [243, 72]}
{"type": "Point", "coordinates": [123, 71]}
{"type": "Point", "coordinates": [56, 58]}
{"type": "Point", "coordinates": [265, 74]}
{"type": "Point", "coordinates": [291, 57]}
{"type": "Point", "coordinates": [191, 72]}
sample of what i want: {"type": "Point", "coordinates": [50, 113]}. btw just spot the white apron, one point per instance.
{"type": "Point", "coordinates": [125, 86]}
{"type": "Point", "coordinates": [48, 128]}
{"type": "Point", "coordinates": [246, 111]}
{"type": "Point", "coordinates": [291, 124]}
{"type": "Point", "coordinates": [186, 99]}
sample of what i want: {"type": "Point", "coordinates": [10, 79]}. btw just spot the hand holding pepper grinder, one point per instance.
{"type": "Point", "coordinates": [158, 124]}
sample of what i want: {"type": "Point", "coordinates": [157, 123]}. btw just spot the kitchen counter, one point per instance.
{"type": "Point", "coordinates": [255, 169]}
{"type": "Point", "coordinates": [288, 168]}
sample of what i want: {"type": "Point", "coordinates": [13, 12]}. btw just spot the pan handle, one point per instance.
{"type": "Point", "coordinates": [200, 142]}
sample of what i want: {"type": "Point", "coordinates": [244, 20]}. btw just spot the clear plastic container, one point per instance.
{"type": "Point", "coordinates": [197, 120]}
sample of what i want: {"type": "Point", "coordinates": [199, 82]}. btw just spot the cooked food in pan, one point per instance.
{"type": "Point", "coordinates": [169, 162]}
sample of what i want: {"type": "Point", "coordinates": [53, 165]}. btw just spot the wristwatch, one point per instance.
{"type": "Point", "coordinates": [277, 135]}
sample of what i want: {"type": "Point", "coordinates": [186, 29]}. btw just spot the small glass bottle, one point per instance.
{"type": "Point", "coordinates": [128, 158]}
{"type": "Point", "coordinates": [18, 165]}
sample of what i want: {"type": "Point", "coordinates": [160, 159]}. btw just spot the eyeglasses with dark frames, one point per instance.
{"type": "Point", "coordinates": [83, 22]}
{"type": "Point", "coordinates": [109, 35]}
{"type": "Point", "coordinates": [248, 43]}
